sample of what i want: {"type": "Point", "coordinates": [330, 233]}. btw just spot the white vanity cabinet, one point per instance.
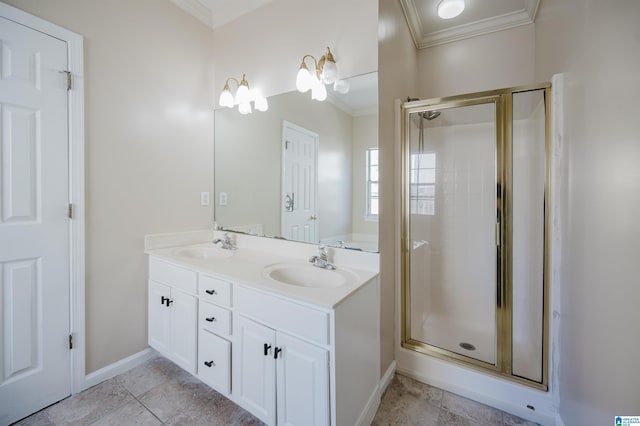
{"type": "Point", "coordinates": [278, 373]}
{"type": "Point", "coordinates": [173, 313]}
{"type": "Point", "coordinates": [282, 356]}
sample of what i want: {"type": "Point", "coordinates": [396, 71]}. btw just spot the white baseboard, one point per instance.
{"type": "Point", "coordinates": [385, 381]}
{"type": "Point", "coordinates": [370, 410]}
{"type": "Point", "coordinates": [118, 367]}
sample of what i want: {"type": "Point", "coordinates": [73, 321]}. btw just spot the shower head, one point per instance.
{"type": "Point", "coordinates": [430, 115]}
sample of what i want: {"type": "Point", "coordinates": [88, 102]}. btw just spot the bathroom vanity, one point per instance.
{"type": "Point", "coordinates": [290, 342]}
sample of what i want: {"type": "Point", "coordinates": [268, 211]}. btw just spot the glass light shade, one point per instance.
{"type": "Point", "coordinates": [303, 79]}
{"type": "Point", "coordinates": [329, 72]}
{"type": "Point", "coordinates": [261, 103]}
{"type": "Point", "coordinates": [226, 99]}
{"type": "Point", "coordinates": [448, 9]}
{"type": "Point", "coordinates": [242, 95]}
{"type": "Point", "coordinates": [319, 92]}
{"type": "Point", "coordinates": [341, 86]}
{"type": "Point", "coordinates": [244, 108]}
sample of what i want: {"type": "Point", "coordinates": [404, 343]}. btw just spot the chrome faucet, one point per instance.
{"type": "Point", "coordinates": [226, 242]}
{"type": "Point", "coordinates": [321, 260]}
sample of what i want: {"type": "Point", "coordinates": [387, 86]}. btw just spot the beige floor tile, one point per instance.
{"type": "Point", "coordinates": [398, 407]}
{"type": "Point", "coordinates": [472, 410]}
{"type": "Point", "coordinates": [422, 391]}
{"type": "Point", "coordinates": [41, 418]}
{"type": "Point", "coordinates": [90, 405]}
{"type": "Point", "coordinates": [511, 420]}
{"type": "Point", "coordinates": [131, 414]}
{"type": "Point", "coordinates": [149, 375]}
{"type": "Point", "coordinates": [448, 418]}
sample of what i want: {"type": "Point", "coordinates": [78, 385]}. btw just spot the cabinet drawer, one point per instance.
{"type": "Point", "coordinates": [214, 290]}
{"type": "Point", "coordinates": [214, 318]}
{"type": "Point", "coordinates": [214, 361]}
{"type": "Point", "coordinates": [175, 276]}
{"type": "Point", "coordinates": [283, 315]}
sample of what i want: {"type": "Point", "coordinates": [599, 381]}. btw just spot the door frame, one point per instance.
{"type": "Point", "coordinates": [75, 99]}
{"type": "Point", "coordinates": [283, 146]}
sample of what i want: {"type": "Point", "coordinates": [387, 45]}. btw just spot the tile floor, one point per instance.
{"type": "Point", "coordinates": [159, 392]}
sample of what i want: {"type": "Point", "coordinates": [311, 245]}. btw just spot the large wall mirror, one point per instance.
{"type": "Point", "coordinates": [303, 170]}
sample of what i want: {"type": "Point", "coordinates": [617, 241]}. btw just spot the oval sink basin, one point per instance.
{"type": "Point", "coordinates": [303, 275]}
{"type": "Point", "coordinates": [203, 252]}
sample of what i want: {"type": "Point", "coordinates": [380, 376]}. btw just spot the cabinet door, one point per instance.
{"type": "Point", "coordinates": [254, 376]}
{"type": "Point", "coordinates": [214, 361]}
{"type": "Point", "coordinates": [184, 321]}
{"type": "Point", "coordinates": [303, 383]}
{"type": "Point", "coordinates": [159, 318]}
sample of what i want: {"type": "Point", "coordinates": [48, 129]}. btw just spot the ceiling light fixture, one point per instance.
{"type": "Point", "coordinates": [448, 9]}
{"type": "Point", "coordinates": [325, 71]}
{"type": "Point", "coordinates": [243, 97]}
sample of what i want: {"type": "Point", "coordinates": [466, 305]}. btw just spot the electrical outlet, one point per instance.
{"type": "Point", "coordinates": [223, 198]}
{"type": "Point", "coordinates": [204, 199]}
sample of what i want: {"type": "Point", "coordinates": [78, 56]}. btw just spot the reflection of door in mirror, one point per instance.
{"type": "Point", "coordinates": [299, 183]}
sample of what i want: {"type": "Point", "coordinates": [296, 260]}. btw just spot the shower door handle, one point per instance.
{"type": "Point", "coordinates": [498, 234]}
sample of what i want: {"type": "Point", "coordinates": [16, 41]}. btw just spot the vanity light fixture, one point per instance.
{"type": "Point", "coordinates": [325, 71]}
{"type": "Point", "coordinates": [448, 9]}
{"type": "Point", "coordinates": [243, 97]}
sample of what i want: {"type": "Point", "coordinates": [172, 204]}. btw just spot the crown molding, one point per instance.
{"type": "Point", "coordinates": [422, 39]}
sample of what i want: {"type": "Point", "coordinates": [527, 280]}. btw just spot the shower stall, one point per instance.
{"type": "Point", "coordinates": [475, 230]}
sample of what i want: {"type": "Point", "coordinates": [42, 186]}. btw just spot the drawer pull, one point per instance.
{"type": "Point", "coordinates": [209, 363]}
{"type": "Point", "coordinates": [211, 292]}
{"type": "Point", "coordinates": [212, 319]}
{"type": "Point", "coordinates": [266, 348]}
{"type": "Point", "coordinates": [275, 353]}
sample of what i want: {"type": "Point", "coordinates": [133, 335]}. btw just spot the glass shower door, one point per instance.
{"type": "Point", "coordinates": [453, 215]}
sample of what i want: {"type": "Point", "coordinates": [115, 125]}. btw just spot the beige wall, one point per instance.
{"type": "Point", "coordinates": [492, 61]}
{"type": "Point", "coordinates": [397, 79]}
{"type": "Point", "coordinates": [598, 44]}
{"type": "Point", "coordinates": [149, 150]}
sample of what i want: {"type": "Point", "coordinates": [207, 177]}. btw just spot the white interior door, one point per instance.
{"type": "Point", "coordinates": [34, 227]}
{"type": "Point", "coordinates": [299, 183]}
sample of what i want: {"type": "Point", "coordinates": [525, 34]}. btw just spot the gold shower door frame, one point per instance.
{"type": "Point", "coordinates": [503, 100]}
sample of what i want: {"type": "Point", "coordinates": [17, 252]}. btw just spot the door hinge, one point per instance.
{"type": "Point", "coordinates": [71, 341]}
{"type": "Point", "coordinates": [68, 79]}
{"type": "Point", "coordinates": [70, 211]}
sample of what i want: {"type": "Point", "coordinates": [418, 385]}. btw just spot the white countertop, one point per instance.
{"type": "Point", "coordinates": [246, 267]}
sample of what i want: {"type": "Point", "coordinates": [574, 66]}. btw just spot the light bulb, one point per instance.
{"type": "Point", "coordinates": [319, 92]}
{"type": "Point", "coordinates": [303, 79]}
{"type": "Point", "coordinates": [242, 95]}
{"type": "Point", "coordinates": [261, 103]}
{"type": "Point", "coordinates": [341, 86]}
{"type": "Point", "coordinates": [226, 98]}
{"type": "Point", "coordinates": [244, 108]}
{"type": "Point", "coordinates": [329, 68]}
{"type": "Point", "coordinates": [448, 9]}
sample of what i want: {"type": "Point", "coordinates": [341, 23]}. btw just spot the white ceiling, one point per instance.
{"type": "Point", "coordinates": [479, 17]}
{"type": "Point", "coordinates": [216, 13]}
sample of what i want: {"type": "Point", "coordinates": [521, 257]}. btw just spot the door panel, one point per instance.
{"type": "Point", "coordinates": [184, 321]}
{"type": "Point", "coordinates": [34, 228]}
{"type": "Point", "coordinates": [254, 380]}
{"type": "Point", "coordinates": [159, 318]}
{"type": "Point", "coordinates": [303, 383]}
{"type": "Point", "coordinates": [299, 182]}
